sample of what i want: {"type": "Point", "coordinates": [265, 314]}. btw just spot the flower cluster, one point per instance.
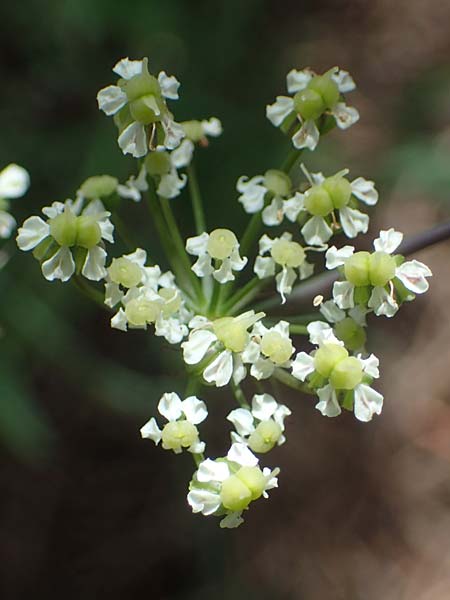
{"type": "Point", "coordinates": [206, 302]}
{"type": "Point", "coordinates": [14, 182]}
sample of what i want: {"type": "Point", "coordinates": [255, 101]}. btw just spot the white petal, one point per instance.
{"type": "Point", "coordinates": [111, 99]}
{"type": "Point", "coordinates": [14, 181]}
{"type": "Point", "coordinates": [60, 266]}
{"type": "Point", "coordinates": [119, 320]}
{"type": "Point", "coordinates": [182, 156]}
{"type": "Point", "coordinates": [231, 521]}
{"type": "Point", "coordinates": [307, 136]}
{"type": "Point", "coordinates": [279, 110]}
{"type": "Point", "coordinates": [7, 224]}
{"type": "Point", "coordinates": [336, 257]}
{"type": "Point", "coordinates": [302, 366]}
{"type": "Point", "coordinates": [316, 231]}
{"type": "Point", "coordinates": [174, 133]}
{"type": "Point", "coordinates": [328, 404]}
{"type": "Point", "coordinates": [32, 232]}
{"type": "Point", "coordinates": [211, 470]}
{"type": "Point", "coordinates": [285, 279]}
{"type": "Point", "coordinates": [306, 269]}
{"type": "Point", "coordinates": [237, 262]}
{"type": "Point", "coordinates": [382, 302]}
{"type": "Point", "coordinates": [169, 85]}
{"type": "Point", "coordinates": [353, 221]}
{"type": "Point", "coordinates": [367, 402]}
{"type": "Point", "coordinates": [265, 244]}
{"type": "Point", "coordinates": [212, 127]}
{"type": "Point", "coordinates": [262, 368]}
{"type": "Point", "coordinates": [343, 292]}
{"type": "Point", "coordinates": [127, 68]}
{"type": "Point", "coordinates": [113, 294]}
{"type": "Point", "coordinates": [252, 193]}
{"type": "Point", "coordinates": [225, 272]}
{"type": "Point", "coordinates": [241, 454]}
{"type": "Point", "coordinates": [133, 140]}
{"type": "Point", "coordinates": [345, 116]}
{"type": "Point", "coordinates": [197, 346]}
{"type": "Point", "coordinates": [273, 213]}
{"type": "Point", "coordinates": [388, 241]}
{"type": "Point", "coordinates": [370, 365]}
{"type": "Point", "coordinates": [297, 80]}
{"type": "Point", "coordinates": [194, 409]}
{"type": "Point", "coordinates": [170, 185]}
{"type": "Point", "coordinates": [242, 420]}
{"type": "Point", "coordinates": [170, 406]}
{"type": "Point", "coordinates": [331, 312]}
{"type": "Point", "coordinates": [293, 206]}
{"type": "Point", "coordinates": [239, 370]}
{"type": "Point", "coordinates": [365, 191]}
{"type": "Point", "coordinates": [197, 447]}
{"type": "Point", "coordinates": [203, 501]}
{"type": "Point", "coordinates": [94, 265]}
{"type": "Point", "coordinates": [197, 245]}
{"type": "Point", "coordinates": [151, 431]}
{"type": "Point", "coordinates": [412, 274]}
{"type": "Point", "coordinates": [344, 81]}
{"type": "Point", "coordinates": [264, 406]}
{"type": "Point", "coordinates": [139, 256]}
{"type": "Point", "coordinates": [279, 416]}
{"type": "Point", "coordinates": [321, 333]}
{"type": "Point", "coordinates": [220, 370]}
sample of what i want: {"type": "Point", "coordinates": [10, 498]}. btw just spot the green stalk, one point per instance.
{"type": "Point", "coordinates": [291, 382]}
{"type": "Point", "coordinates": [196, 200]}
{"type": "Point", "coordinates": [245, 295]}
{"type": "Point", "coordinates": [90, 292]}
{"type": "Point", "coordinates": [239, 395]}
{"type": "Point", "coordinates": [298, 329]}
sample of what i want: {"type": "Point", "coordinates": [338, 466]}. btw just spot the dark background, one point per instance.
{"type": "Point", "coordinates": [89, 510]}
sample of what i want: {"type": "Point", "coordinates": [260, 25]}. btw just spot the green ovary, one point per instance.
{"type": "Point", "coordinates": [221, 243]}
{"type": "Point", "coordinates": [339, 189]}
{"type": "Point", "coordinates": [254, 479]}
{"type": "Point", "coordinates": [382, 268]}
{"type": "Point", "coordinates": [231, 333]}
{"type": "Point", "coordinates": [356, 269]}
{"type": "Point", "coordinates": [158, 163]}
{"type": "Point", "coordinates": [347, 374]}
{"type": "Point", "coordinates": [277, 182]}
{"type": "Point", "coordinates": [287, 253]}
{"type": "Point", "coordinates": [326, 88]}
{"type": "Point", "coordinates": [63, 228]}
{"type": "Point", "coordinates": [309, 104]}
{"type": "Point", "coordinates": [141, 311]}
{"type": "Point", "coordinates": [172, 301]}
{"type": "Point", "coordinates": [125, 272]}
{"type": "Point", "coordinates": [88, 232]}
{"type": "Point", "coordinates": [179, 434]}
{"type": "Point", "coordinates": [352, 334]}
{"type": "Point", "coordinates": [99, 186]}
{"type": "Point", "coordinates": [235, 495]}
{"type": "Point", "coordinates": [327, 357]}
{"type": "Point", "coordinates": [276, 347]}
{"type": "Point", "coordinates": [318, 201]}
{"type": "Point", "coordinates": [265, 436]}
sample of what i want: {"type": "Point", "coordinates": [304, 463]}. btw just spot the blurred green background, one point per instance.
{"type": "Point", "coordinates": [88, 510]}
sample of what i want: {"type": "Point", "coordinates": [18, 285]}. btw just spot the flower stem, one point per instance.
{"type": "Point", "coordinates": [245, 295]}
{"type": "Point", "coordinates": [90, 292]}
{"type": "Point", "coordinates": [291, 382]}
{"type": "Point", "coordinates": [196, 200]}
{"type": "Point", "coordinates": [239, 395]}
{"type": "Point", "coordinates": [298, 329]}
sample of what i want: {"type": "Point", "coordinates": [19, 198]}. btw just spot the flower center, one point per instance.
{"type": "Point", "coordinates": [141, 311]}
{"type": "Point", "coordinates": [179, 434]}
{"type": "Point", "coordinates": [276, 347]}
{"type": "Point", "coordinates": [287, 254]}
{"type": "Point", "coordinates": [265, 436]}
{"type": "Point", "coordinates": [125, 272]}
{"type": "Point", "coordinates": [221, 243]}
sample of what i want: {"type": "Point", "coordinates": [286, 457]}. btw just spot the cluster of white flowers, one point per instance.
{"type": "Point", "coordinates": [203, 304]}
{"type": "Point", "coordinates": [14, 182]}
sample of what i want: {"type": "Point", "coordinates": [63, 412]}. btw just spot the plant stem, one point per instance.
{"type": "Point", "coordinates": [239, 395]}
{"type": "Point", "coordinates": [196, 200]}
{"type": "Point", "coordinates": [298, 329]}
{"type": "Point", "coordinates": [90, 292]}
{"type": "Point", "coordinates": [291, 382]}
{"type": "Point", "coordinates": [243, 296]}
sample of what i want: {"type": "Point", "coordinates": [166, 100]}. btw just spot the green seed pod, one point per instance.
{"type": "Point", "coordinates": [141, 85]}
{"type": "Point", "coordinates": [63, 228]}
{"type": "Point", "coordinates": [276, 347]}
{"type": "Point", "coordinates": [352, 334]}
{"type": "Point", "coordinates": [178, 434]}
{"type": "Point", "coordinates": [277, 182]}
{"type": "Point", "coordinates": [221, 243]}
{"type": "Point", "coordinates": [89, 233]}
{"type": "Point", "coordinates": [146, 109]}
{"type": "Point", "coordinates": [326, 88]}
{"type": "Point", "coordinates": [265, 436]}
{"type": "Point", "coordinates": [124, 272]}
{"type": "Point", "coordinates": [327, 357]}
{"type": "Point", "coordinates": [309, 104]}
{"type": "Point", "coordinates": [158, 163]}
{"type": "Point", "coordinates": [287, 253]}
{"type": "Point", "coordinates": [318, 201]}
{"type": "Point", "coordinates": [235, 495]}
{"type": "Point", "coordinates": [382, 268]}
{"type": "Point", "coordinates": [99, 186]}
{"type": "Point", "coordinates": [339, 189]}
{"type": "Point", "coordinates": [253, 478]}
{"type": "Point", "coordinates": [356, 268]}
{"type": "Point", "coordinates": [347, 374]}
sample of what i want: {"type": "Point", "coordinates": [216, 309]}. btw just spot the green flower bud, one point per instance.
{"type": "Point", "coordinates": [221, 243]}
{"type": "Point", "coordinates": [231, 333]}
{"type": "Point", "coordinates": [141, 85]}
{"type": "Point", "coordinates": [179, 434]}
{"type": "Point", "coordinates": [265, 436]}
{"type": "Point", "coordinates": [356, 268]}
{"type": "Point", "coordinates": [277, 182]}
{"type": "Point", "coordinates": [145, 109]}
{"type": "Point", "coordinates": [318, 201]}
{"type": "Point", "coordinates": [352, 334]}
{"type": "Point", "coordinates": [326, 88]}
{"type": "Point", "coordinates": [276, 347]}
{"type": "Point", "coordinates": [254, 479]}
{"type": "Point", "coordinates": [99, 186]}
{"type": "Point", "coordinates": [339, 189]}
{"type": "Point", "coordinates": [327, 357]}
{"type": "Point", "coordinates": [309, 104]}
{"type": "Point", "coordinates": [287, 253]}
{"type": "Point", "coordinates": [63, 228]}
{"type": "Point", "coordinates": [172, 301]}
{"type": "Point", "coordinates": [141, 311]}
{"type": "Point", "coordinates": [382, 268]}
{"type": "Point", "coordinates": [124, 272]}
{"type": "Point", "coordinates": [235, 495]}
{"type": "Point", "coordinates": [88, 232]}
{"type": "Point", "coordinates": [193, 130]}
{"type": "Point", "coordinates": [347, 374]}
{"type": "Point", "coordinates": [158, 163]}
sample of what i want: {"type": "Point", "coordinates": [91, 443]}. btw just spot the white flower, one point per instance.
{"type": "Point", "coordinates": [307, 110]}
{"type": "Point", "coordinates": [253, 191]}
{"type": "Point", "coordinates": [134, 186]}
{"type": "Point", "coordinates": [14, 182]}
{"type": "Point", "coordinates": [199, 131]}
{"type": "Point", "coordinates": [380, 271]}
{"type": "Point", "coordinates": [284, 253]}
{"type": "Point", "coordinates": [180, 431]}
{"type": "Point", "coordinates": [327, 195]}
{"type": "Point", "coordinates": [138, 102]}
{"type": "Point", "coordinates": [261, 427]}
{"type": "Point", "coordinates": [269, 348]}
{"type": "Point", "coordinates": [220, 246]}
{"type": "Point", "coordinates": [68, 227]}
{"type": "Point", "coordinates": [227, 486]}
{"type": "Point", "coordinates": [222, 343]}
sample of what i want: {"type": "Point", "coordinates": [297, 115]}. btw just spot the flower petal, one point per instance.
{"type": "Point", "coordinates": [211, 470]}
{"type": "Point", "coordinates": [343, 294]}
{"type": "Point", "coordinates": [382, 302]}
{"type": "Point", "coordinates": [298, 80]}
{"type": "Point", "coordinates": [169, 85]}
{"type": "Point", "coordinates": [328, 403]}
{"type": "Point", "coordinates": [220, 370]}
{"type": "Point", "coordinates": [151, 431]}
{"type": "Point", "coordinates": [412, 274]}
{"type": "Point", "coordinates": [14, 181]}
{"type": "Point", "coordinates": [182, 156]}
{"type": "Point", "coordinates": [241, 454]}
{"type": "Point", "coordinates": [252, 193]}
{"type": "Point", "coordinates": [242, 420]}
{"type": "Point", "coordinates": [316, 231]}
{"type": "Point", "coordinates": [170, 406]}
{"type": "Point", "coordinates": [111, 99]}
{"type": "Point", "coordinates": [353, 221]}
{"type": "Point", "coordinates": [365, 191]}
{"type": "Point", "coordinates": [32, 232]}
{"type": "Point", "coordinates": [302, 366]}
{"type": "Point", "coordinates": [127, 68]}
{"type": "Point", "coordinates": [133, 140]}
{"type": "Point", "coordinates": [60, 266]}
{"type": "Point", "coordinates": [307, 136]}
{"type": "Point", "coordinates": [203, 501]}
{"type": "Point", "coordinates": [345, 116]}
{"type": "Point", "coordinates": [194, 409]}
{"type": "Point", "coordinates": [388, 241]}
{"type": "Point", "coordinates": [336, 257]}
{"type": "Point", "coordinates": [195, 348]}
{"type": "Point", "coordinates": [263, 406]}
{"type": "Point", "coordinates": [367, 402]}
{"type": "Point", "coordinates": [279, 110]}
{"type": "Point", "coordinates": [94, 265]}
